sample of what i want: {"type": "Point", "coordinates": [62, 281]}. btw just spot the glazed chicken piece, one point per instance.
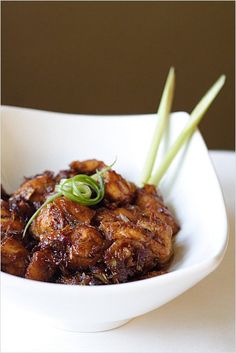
{"type": "Point", "coordinates": [14, 256]}
{"type": "Point", "coordinates": [130, 222]}
{"type": "Point", "coordinates": [31, 194]}
{"type": "Point", "coordinates": [22, 208]}
{"type": "Point", "coordinates": [11, 224]}
{"type": "Point", "coordinates": [159, 241]}
{"type": "Point", "coordinates": [42, 266]}
{"type": "Point", "coordinates": [85, 248]}
{"type": "Point", "coordinates": [129, 213]}
{"type": "Point", "coordinates": [58, 214]}
{"type": "Point", "coordinates": [161, 233]}
{"type": "Point", "coordinates": [89, 167]}
{"type": "Point", "coordinates": [117, 189]}
{"type": "Point", "coordinates": [126, 258]}
{"type": "Point", "coordinates": [74, 247]}
{"type": "Point", "coordinates": [36, 189]}
{"type": "Point", "coordinates": [152, 205]}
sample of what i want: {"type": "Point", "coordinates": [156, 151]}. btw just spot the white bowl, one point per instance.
{"type": "Point", "coordinates": [33, 141]}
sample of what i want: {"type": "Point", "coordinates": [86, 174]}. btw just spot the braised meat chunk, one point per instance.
{"type": "Point", "coordinates": [32, 194]}
{"type": "Point", "coordinates": [126, 235]}
{"type": "Point", "coordinates": [88, 167]}
{"type": "Point", "coordinates": [36, 189]}
{"type": "Point", "coordinates": [10, 221]}
{"type": "Point", "coordinates": [42, 266]}
{"type": "Point", "coordinates": [150, 202]}
{"type": "Point", "coordinates": [126, 258]}
{"type": "Point", "coordinates": [85, 248]}
{"type": "Point", "coordinates": [58, 214]}
{"type": "Point", "coordinates": [14, 256]}
{"type": "Point", "coordinates": [118, 189]}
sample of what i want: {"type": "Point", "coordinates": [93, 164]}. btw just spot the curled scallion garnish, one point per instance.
{"type": "Point", "coordinates": [83, 189]}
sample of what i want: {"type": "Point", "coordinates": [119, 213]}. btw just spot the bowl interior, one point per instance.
{"type": "Point", "coordinates": [34, 141]}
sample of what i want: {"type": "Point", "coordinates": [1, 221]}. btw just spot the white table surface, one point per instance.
{"type": "Point", "coordinates": [200, 320]}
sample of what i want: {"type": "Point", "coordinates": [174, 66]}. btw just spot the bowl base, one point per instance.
{"type": "Point", "coordinates": [90, 327]}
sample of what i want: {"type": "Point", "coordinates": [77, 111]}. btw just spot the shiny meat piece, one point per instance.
{"type": "Point", "coordinates": [158, 238]}
{"type": "Point", "coordinates": [58, 214]}
{"type": "Point", "coordinates": [10, 223]}
{"type": "Point", "coordinates": [31, 194]}
{"type": "Point", "coordinates": [129, 213]}
{"type": "Point", "coordinates": [117, 189]}
{"type": "Point", "coordinates": [14, 257]}
{"type": "Point", "coordinates": [126, 258]}
{"type": "Point", "coordinates": [130, 223]}
{"type": "Point", "coordinates": [22, 208]}
{"type": "Point", "coordinates": [89, 166]}
{"type": "Point", "coordinates": [86, 247]}
{"type": "Point", "coordinates": [151, 204]}
{"type": "Point", "coordinates": [161, 233]}
{"type": "Point", "coordinates": [161, 243]}
{"type": "Point", "coordinates": [42, 266]}
{"type": "Point", "coordinates": [36, 189]}
{"type": "Point", "coordinates": [114, 230]}
{"type": "Point", "coordinates": [104, 214]}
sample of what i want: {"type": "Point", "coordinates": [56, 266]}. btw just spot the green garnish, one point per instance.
{"type": "Point", "coordinates": [163, 114]}
{"type": "Point", "coordinates": [195, 117]}
{"type": "Point", "coordinates": [148, 176]}
{"type": "Point", "coordinates": [83, 189]}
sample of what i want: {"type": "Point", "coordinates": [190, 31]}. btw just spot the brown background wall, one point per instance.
{"type": "Point", "coordinates": [113, 57]}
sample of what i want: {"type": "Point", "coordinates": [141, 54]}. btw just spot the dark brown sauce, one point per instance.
{"type": "Point", "coordinates": [127, 237]}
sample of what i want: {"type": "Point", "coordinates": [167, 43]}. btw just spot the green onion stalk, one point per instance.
{"type": "Point", "coordinates": [163, 114]}
{"type": "Point", "coordinates": [196, 116]}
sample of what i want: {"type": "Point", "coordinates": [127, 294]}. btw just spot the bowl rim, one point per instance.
{"type": "Point", "coordinates": [92, 116]}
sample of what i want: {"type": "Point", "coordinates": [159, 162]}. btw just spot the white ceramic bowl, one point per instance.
{"type": "Point", "coordinates": [33, 141]}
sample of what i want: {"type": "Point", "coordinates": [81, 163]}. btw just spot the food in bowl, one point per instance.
{"type": "Point", "coordinates": [127, 236]}
{"type": "Point", "coordinates": [97, 228]}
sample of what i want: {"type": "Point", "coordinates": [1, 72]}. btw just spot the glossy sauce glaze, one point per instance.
{"type": "Point", "coordinates": [128, 236]}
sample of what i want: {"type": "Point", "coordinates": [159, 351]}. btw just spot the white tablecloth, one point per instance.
{"type": "Point", "coordinates": [200, 320]}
